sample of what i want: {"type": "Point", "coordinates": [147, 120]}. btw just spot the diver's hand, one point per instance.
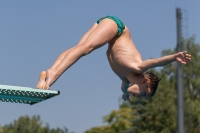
{"type": "Point", "coordinates": [183, 57]}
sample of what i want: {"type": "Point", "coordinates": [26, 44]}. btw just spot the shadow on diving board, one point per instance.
{"type": "Point", "coordinates": [25, 95]}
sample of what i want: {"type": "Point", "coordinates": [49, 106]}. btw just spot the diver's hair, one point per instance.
{"type": "Point", "coordinates": [154, 80]}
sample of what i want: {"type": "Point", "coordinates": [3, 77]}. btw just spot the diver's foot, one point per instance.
{"type": "Point", "coordinates": [51, 77]}
{"type": "Point", "coordinates": [42, 81]}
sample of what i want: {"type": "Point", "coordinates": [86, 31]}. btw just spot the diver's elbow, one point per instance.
{"type": "Point", "coordinates": [140, 69]}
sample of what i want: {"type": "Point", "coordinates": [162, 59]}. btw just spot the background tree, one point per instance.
{"type": "Point", "coordinates": [117, 121]}
{"type": "Point", "coordinates": [192, 87]}
{"type": "Point", "coordinates": [34, 124]}
{"type": "Point", "coordinates": [1, 129]}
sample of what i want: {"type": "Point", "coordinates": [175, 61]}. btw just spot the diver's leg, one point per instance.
{"type": "Point", "coordinates": [62, 55]}
{"type": "Point", "coordinates": [101, 35]}
{"type": "Point", "coordinates": [42, 79]}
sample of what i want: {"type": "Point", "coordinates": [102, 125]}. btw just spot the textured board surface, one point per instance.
{"type": "Point", "coordinates": [25, 95]}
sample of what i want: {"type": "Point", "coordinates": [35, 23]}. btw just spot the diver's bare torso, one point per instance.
{"type": "Point", "coordinates": [123, 56]}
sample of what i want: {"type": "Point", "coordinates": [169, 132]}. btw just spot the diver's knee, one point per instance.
{"type": "Point", "coordinates": [87, 48]}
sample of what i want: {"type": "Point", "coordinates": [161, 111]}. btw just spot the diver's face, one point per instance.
{"type": "Point", "coordinates": [140, 90]}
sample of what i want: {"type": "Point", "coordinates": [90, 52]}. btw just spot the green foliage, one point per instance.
{"type": "Point", "coordinates": [159, 113]}
{"type": "Point", "coordinates": [26, 124]}
{"type": "Point", "coordinates": [1, 129]}
{"type": "Point", "coordinates": [118, 120]}
{"type": "Point", "coordinates": [192, 87]}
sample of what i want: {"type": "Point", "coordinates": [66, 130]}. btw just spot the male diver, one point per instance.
{"type": "Point", "coordinates": [123, 56]}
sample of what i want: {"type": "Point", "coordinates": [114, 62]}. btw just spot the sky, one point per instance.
{"type": "Point", "coordinates": [34, 33]}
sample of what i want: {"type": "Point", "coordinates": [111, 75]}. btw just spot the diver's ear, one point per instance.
{"type": "Point", "coordinates": [147, 80]}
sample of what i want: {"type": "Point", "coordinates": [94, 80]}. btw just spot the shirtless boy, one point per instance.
{"type": "Point", "coordinates": [123, 56]}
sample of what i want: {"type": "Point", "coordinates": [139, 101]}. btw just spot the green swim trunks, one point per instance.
{"type": "Point", "coordinates": [119, 23]}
